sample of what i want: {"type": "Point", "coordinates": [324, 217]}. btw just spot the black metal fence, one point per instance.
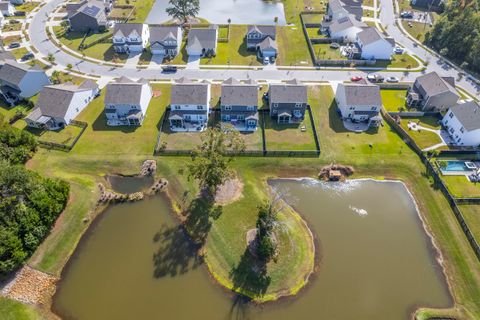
{"type": "Point", "coordinates": [65, 147]}
{"type": "Point", "coordinates": [160, 148]}
{"type": "Point", "coordinates": [438, 182]}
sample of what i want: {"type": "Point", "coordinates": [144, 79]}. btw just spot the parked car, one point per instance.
{"type": "Point", "coordinates": [392, 79]}
{"type": "Point", "coordinates": [27, 56]}
{"type": "Point", "coordinates": [406, 15]}
{"type": "Point", "coordinates": [398, 50]}
{"type": "Point", "coordinates": [14, 45]}
{"type": "Point", "coordinates": [355, 79]}
{"type": "Point", "coordinates": [169, 69]}
{"type": "Point", "coordinates": [19, 13]}
{"type": "Point", "coordinates": [334, 45]}
{"type": "Point", "coordinates": [375, 78]}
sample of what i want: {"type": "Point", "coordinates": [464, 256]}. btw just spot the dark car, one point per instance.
{"type": "Point", "coordinates": [169, 69]}
{"type": "Point", "coordinates": [19, 13]}
{"type": "Point", "coordinates": [14, 45]}
{"type": "Point", "coordinates": [27, 56]}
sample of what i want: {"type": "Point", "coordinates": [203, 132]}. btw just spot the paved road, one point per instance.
{"type": "Point", "coordinates": [39, 40]}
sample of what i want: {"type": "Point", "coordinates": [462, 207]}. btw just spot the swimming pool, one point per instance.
{"type": "Point", "coordinates": [456, 166]}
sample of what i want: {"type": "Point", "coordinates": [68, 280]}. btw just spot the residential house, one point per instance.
{"type": "Point", "coordinates": [59, 104]}
{"type": "Point", "coordinates": [345, 28]}
{"type": "Point", "coordinates": [91, 15]}
{"type": "Point", "coordinates": [17, 2]}
{"type": "Point", "coordinates": [202, 42]}
{"type": "Point", "coordinates": [262, 39]}
{"type": "Point", "coordinates": [7, 9]}
{"type": "Point", "coordinates": [359, 102]}
{"type": "Point", "coordinates": [374, 45]}
{"type": "Point", "coordinates": [5, 56]}
{"type": "Point", "coordinates": [165, 40]}
{"type": "Point", "coordinates": [189, 105]}
{"type": "Point", "coordinates": [130, 37]}
{"type": "Point", "coordinates": [21, 81]}
{"type": "Point", "coordinates": [126, 102]}
{"type": "Point", "coordinates": [431, 92]}
{"type": "Point", "coordinates": [239, 104]}
{"type": "Point", "coordinates": [431, 5]}
{"type": "Point", "coordinates": [1, 18]}
{"type": "Point", "coordinates": [335, 10]}
{"type": "Point", "coordinates": [288, 102]}
{"type": "Point", "coordinates": [462, 122]}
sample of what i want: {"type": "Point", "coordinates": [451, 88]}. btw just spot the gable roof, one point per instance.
{"type": "Point", "coordinates": [361, 94]}
{"type": "Point", "coordinates": [236, 93]}
{"type": "Point", "coordinates": [126, 29]}
{"type": "Point", "coordinates": [292, 92]}
{"type": "Point", "coordinates": [468, 114]}
{"type": "Point", "coordinates": [161, 33]}
{"type": "Point", "coordinates": [265, 30]}
{"type": "Point", "coordinates": [335, 6]}
{"type": "Point", "coordinates": [4, 5]}
{"type": "Point", "coordinates": [370, 35]}
{"type": "Point", "coordinates": [267, 43]}
{"type": "Point", "coordinates": [54, 100]}
{"type": "Point", "coordinates": [6, 55]}
{"type": "Point", "coordinates": [202, 38]}
{"type": "Point", "coordinates": [193, 93]}
{"type": "Point", "coordinates": [124, 91]}
{"type": "Point", "coordinates": [432, 84]}
{"type": "Point", "coordinates": [345, 23]}
{"type": "Point", "coordinates": [13, 72]}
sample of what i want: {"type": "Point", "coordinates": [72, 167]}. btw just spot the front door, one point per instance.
{"type": "Point", "coordinates": [283, 119]}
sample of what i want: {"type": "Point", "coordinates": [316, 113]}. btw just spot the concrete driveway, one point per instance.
{"type": "Point", "coordinates": [133, 58]}
{"type": "Point", "coordinates": [193, 62]}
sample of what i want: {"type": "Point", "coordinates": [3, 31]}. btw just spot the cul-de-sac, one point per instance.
{"type": "Point", "coordinates": [240, 159]}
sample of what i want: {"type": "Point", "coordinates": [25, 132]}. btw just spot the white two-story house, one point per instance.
{"type": "Point", "coordinates": [130, 37]}
{"type": "Point", "coordinates": [189, 105]}
{"type": "Point", "coordinates": [126, 102]}
{"type": "Point", "coordinates": [59, 104]}
{"type": "Point", "coordinates": [7, 9]}
{"type": "Point", "coordinates": [359, 102]}
{"type": "Point", "coordinates": [374, 45]}
{"type": "Point", "coordinates": [462, 123]}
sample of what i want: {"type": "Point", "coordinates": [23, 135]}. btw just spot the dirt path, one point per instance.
{"type": "Point", "coordinates": [229, 192]}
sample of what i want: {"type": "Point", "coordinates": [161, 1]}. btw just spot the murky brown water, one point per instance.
{"type": "Point", "coordinates": [377, 262]}
{"type": "Point", "coordinates": [129, 184]}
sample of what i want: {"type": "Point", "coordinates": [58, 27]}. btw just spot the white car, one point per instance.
{"type": "Point", "coordinates": [398, 50]}
{"type": "Point", "coordinates": [392, 79]}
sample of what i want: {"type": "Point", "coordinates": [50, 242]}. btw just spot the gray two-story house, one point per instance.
{"type": "Point", "coordinates": [165, 40]}
{"type": "Point", "coordinates": [90, 15]}
{"type": "Point", "coordinates": [431, 92]}
{"type": "Point", "coordinates": [239, 104]}
{"type": "Point", "coordinates": [262, 39]}
{"type": "Point", "coordinates": [288, 102]}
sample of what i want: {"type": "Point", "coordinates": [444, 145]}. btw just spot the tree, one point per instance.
{"type": "Point", "coordinates": [444, 52]}
{"type": "Point", "coordinates": [210, 166]}
{"type": "Point", "coordinates": [56, 77]}
{"type": "Point", "coordinates": [266, 223]}
{"type": "Point", "coordinates": [69, 66]}
{"type": "Point", "coordinates": [51, 58]}
{"type": "Point", "coordinates": [182, 9]}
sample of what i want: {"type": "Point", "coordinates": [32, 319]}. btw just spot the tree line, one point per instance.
{"type": "Point", "coordinates": [29, 203]}
{"type": "Point", "coordinates": [456, 34]}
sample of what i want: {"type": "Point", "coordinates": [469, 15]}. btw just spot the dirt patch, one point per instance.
{"type": "Point", "coordinates": [229, 192]}
{"type": "Point", "coordinates": [31, 286]}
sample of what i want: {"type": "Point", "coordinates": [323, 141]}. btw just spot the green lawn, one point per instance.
{"type": "Point", "coordinates": [7, 40]}
{"type": "Point", "coordinates": [423, 138]}
{"type": "Point", "coordinates": [14, 310]}
{"type": "Point", "coordinates": [64, 136]}
{"type": "Point", "coordinates": [471, 213]}
{"type": "Point", "coordinates": [9, 26]}
{"type": "Point", "coordinates": [142, 9]}
{"type": "Point", "coordinates": [404, 60]}
{"type": "Point", "coordinates": [324, 52]}
{"type": "Point", "coordinates": [27, 6]}
{"type": "Point", "coordinates": [313, 18]}
{"type": "Point", "coordinates": [393, 100]}
{"type": "Point", "coordinates": [235, 51]}
{"type": "Point", "coordinates": [460, 187]}
{"type": "Point", "coordinates": [417, 30]}
{"type": "Point", "coordinates": [19, 53]}
{"type": "Point", "coordinates": [292, 46]}
{"type": "Point", "coordinates": [9, 112]}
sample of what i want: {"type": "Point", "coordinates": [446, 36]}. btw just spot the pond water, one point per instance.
{"type": "Point", "coordinates": [219, 11]}
{"type": "Point", "coordinates": [129, 184]}
{"type": "Point", "coordinates": [376, 262]}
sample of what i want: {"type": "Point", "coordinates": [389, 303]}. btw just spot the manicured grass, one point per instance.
{"type": "Point", "coordinates": [423, 138]}
{"type": "Point", "coordinates": [122, 14]}
{"type": "Point", "coordinates": [27, 6]}
{"type": "Point", "coordinates": [235, 51]}
{"type": "Point", "coordinates": [417, 30]}
{"type": "Point", "coordinates": [19, 53]}
{"type": "Point", "coordinates": [471, 213]}
{"type": "Point", "coordinates": [367, 3]}
{"type": "Point", "coordinates": [292, 46]}
{"type": "Point", "coordinates": [8, 112]}
{"type": "Point", "coordinates": [313, 18]}
{"type": "Point", "coordinates": [460, 187]}
{"type": "Point", "coordinates": [14, 310]}
{"type": "Point", "coordinates": [405, 61]}
{"type": "Point", "coordinates": [7, 40]}
{"type": "Point", "coordinates": [324, 52]}
{"type": "Point", "coordinates": [394, 100]}
{"type": "Point", "coordinates": [182, 56]}
{"type": "Point", "coordinates": [314, 33]}
{"type": "Point", "coordinates": [64, 136]}
{"type": "Point", "coordinates": [142, 9]}
{"type": "Point", "coordinates": [9, 26]}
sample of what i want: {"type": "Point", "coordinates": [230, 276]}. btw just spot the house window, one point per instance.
{"type": "Point", "coordinates": [240, 117]}
{"type": "Point", "coordinates": [351, 108]}
{"type": "Point", "coordinates": [177, 107]}
{"type": "Point", "coordinates": [374, 108]}
{"type": "Point", "coordinates": [462, 129]}
{"type": "Point", "coordinates": [251, 122]}
{"type": "Point", "coordinates": [297, 113]}
{"type": "Point", "coordinates": [275, 105]}
{"type": "Point", "coordinates": [298, 105]}
{"type": "Point", "coordinates": [451, 130]}
{"type": "Point", "coordinates": [228, 107]}
{"type": "Point", "coordinates": [451, 115]}
{"type": "Point", "coordinates": [250, 108]}
{"type": "Point", "coordinates": [77, 111]}
{"type": "Point", "coordinates": [199, 107]}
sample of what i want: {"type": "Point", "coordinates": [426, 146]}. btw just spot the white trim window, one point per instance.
{"type": "Point", "coordinates": [228, 108]}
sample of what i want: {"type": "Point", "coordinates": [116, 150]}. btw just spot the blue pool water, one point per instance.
{"type": "Point", "coordinates": [455, 165]}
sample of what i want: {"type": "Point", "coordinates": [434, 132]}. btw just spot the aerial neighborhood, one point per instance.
{"type": "Point", "coordinates": [151, 147]}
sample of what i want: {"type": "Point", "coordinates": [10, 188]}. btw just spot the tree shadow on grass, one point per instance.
{"type": "Point", "coordinates": [198, 220]}
{"type": "Point", "coordinates": [336, 123]}
{"type": "Point", "coordinates": [100, 124]}
{"type": "Point", "coordinates": [176, 255]}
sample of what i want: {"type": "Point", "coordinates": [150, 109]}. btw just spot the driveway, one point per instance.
{"type": "Point", "coordinates": [157, 59]}
{"type": "Point", "coordinates": [133, 58]}
{"type": "Point", "coordinates": [193, 62]}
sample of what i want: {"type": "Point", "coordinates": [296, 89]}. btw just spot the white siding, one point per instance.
{"type": "Point", "coordinates": [454, 128]}
{"type": "Point", "coordinates": [381, 49]}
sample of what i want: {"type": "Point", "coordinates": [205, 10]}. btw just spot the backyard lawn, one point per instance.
{"type": "Point", "coordinates": [233, 52]}
{"type": "Point", "coordinates": [423, 138]}
{"type": "Point", "coordinates": [404, 61]}
{"type": "Point", "coordinates": [292, 46]}
{"type": "Point", "coordinates": [12, 25]}
{"type": "Point", "coordinates": [471, 213]}
{"type": "Point", "coordinates": [64, 136]}
{"type": "Point", "coordinates": [417, 30]}
{"type": "Point", "coordinates": [393, 100]}
{"type": "Point", "coordinates": [289, 137]}
{"type": "Point", "coordinates": [324, 52]}
{"type": "Point", "coordinates": [461, 187]}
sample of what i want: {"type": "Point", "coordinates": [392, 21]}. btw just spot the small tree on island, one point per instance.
{"type": "Point", "coordinates": [210, 166]}
{"type": "Point", "coordinates": [266, 223]}
{"type": "Point", "coordinates": [182, 9]}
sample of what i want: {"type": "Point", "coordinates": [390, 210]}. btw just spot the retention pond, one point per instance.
{"type": "Point", "coordinates": [376, 262]}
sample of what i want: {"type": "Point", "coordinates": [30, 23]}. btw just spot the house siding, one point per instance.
{"type": "Point", "coordinates": [32, 83]}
